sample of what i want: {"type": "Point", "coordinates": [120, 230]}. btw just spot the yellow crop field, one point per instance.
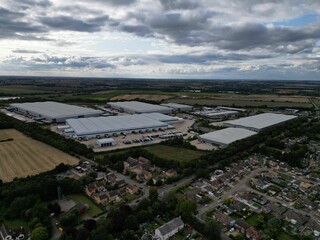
{"type": "Point", "coordinates": [24, 156]}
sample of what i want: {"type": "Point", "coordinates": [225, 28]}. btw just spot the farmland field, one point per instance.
{"type": "Point", "coordinates": [24, 156]}
{"type": "Point", "coordinates": [152, 97]}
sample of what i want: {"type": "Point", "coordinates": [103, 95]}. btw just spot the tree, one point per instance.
{"type": "Point", "coordinates": [153, 195]}
{"type": "Point", "coordinates": [212, 230]}
{"type": "Point", "coordinates": [70, 219]}
{"type": "Point", "coordinates": [144, 216]}
{"type": "Point", "coordinates": [90, 224]}
{"type": "Point", "coordinates": [100, 233]}
{"type": "Point", "coordinates": [186, 208]}
{"type": "Point", "coordinates": [40, 233]}
{"type": "Point", "coordinates": [129, 235]}
{"type": "Point", "coordinates": [131, 223]}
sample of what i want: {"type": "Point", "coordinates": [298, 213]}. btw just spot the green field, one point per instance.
{"type": "Point", "coordinates": [20, 90]}
{"type": "Point", "coordinates": [174, 153]}
{"type": "Point", "coordinates": [241, 103]}
{"type": "Point", "coordinates": [16, 224]}
{"type": "Point", "coordinates": [93, 208]}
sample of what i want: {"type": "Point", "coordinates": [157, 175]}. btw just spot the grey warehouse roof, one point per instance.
{"type": "Point", "coordinates": [96, 125]}
{"type": "Point", "coordinates": [139, 107]}
{"type": "Point", "coordinates": [160, 117]}
{"type": "Point", "coordinates": [170, 226]}
{"type": "Point", "coordinates": [55, 109]}
{"type": "Point", "coordinates": [261, 121]}
{"type": "Point", "coordinates": [176, 105]}
{"type": "Point", "coordinates": [227, 135]}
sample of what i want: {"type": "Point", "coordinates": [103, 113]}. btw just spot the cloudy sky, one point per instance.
{"type": "Point", "coordinates": [229, 39]}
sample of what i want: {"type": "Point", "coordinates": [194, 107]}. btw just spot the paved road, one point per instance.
{"type": "Point", "coordinates": [236, 188]}
{"type": "Point", "coordinates": [166, 189]}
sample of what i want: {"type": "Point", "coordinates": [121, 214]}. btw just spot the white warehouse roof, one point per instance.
{"type": "Point", "coordinates": [55, 109]}
{"type": "Point", "coordinates": [99, 125]}
{"type": "Point", "coordinates": [260, 121]}
{"type": "Point", "coordinates": [177, 106]}
{"type": "Point", "coordinates": [226, 136]}
{"type": "Point", "coordinates": [161, 117]}
{"type": "Point", "coordinates": [139, 107]}
{"type": "Point", "coordinates": [105, 140]}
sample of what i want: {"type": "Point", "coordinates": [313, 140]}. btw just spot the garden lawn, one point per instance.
{"type": "Point", "coordinates": [93, 208]}
{"type": "Point", "coordinates": [174, 153]}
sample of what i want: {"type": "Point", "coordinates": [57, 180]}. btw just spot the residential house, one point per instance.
{"type": "Point", "coordinates": [101, 198]}
{"type": "Point", "coordinates": [241, 225]}
{"type": "Point", "coordinates": [169, 229]}
{"type": "Point", "coordinates": [222, 218]}
{"type": "Point", "coordinates": [131, 189]}
{"type": "Point", "coordinates": [252, 234]}
{"type": "Point", "coordinates": [171, 173]}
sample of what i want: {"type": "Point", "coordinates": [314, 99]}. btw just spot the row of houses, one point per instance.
{"type": "Point", "coordinates": [109, 189]}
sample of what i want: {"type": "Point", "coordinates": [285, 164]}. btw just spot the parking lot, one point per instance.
{"type": "Point", "coordinates": [142, 139]}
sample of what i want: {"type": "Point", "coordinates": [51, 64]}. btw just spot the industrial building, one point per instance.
{"type": "Point", "coordinates": [178, 107]}
{"type": "Point", "coordinates": [135, 107]}
{"type": "Point", "coordinates": [259, 122]}
{"type": "Point", "coordinates": [106, 142]}
{"type": "Point", "coordinates": [226, 136]}
{"type": "Point", "coordinates": [54, 111]}
{"type": "Point", "coordinates": [100, 127]}
{"type": "Point", "coordinates": [216, 113]}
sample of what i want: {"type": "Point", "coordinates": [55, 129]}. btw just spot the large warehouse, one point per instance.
{"type": "Point", "coordinates": [226, 136]}
{"type": "Point", "coordinates": [54, 111]}
{"type": "Point", "coordinates": [259, 122]}
{"type": "Point", "coordinates": [138, 107]}
{"type": "Point", "coordinates": [178, 107]}
{"type": "Point", "coordinates": [100, 127]}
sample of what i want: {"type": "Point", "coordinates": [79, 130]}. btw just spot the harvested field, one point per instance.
{"type": "Point", "coordinates": [151, 97]}
{"type": "Point", "coordinates": [25, 156]}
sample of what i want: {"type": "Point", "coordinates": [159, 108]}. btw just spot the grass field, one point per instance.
{"type": "Point", "coordinates": [12, 90]}
{"type": "Point", "coordinates": [25, 156]}
{"type": "Point", "coordinates": [174, 153]}
{"type": "Point", "coordinates": [93, 209]}
{"type": "Point", "coordinates": [16, 224]}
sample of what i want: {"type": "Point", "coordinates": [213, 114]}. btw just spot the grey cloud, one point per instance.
{"type": "Point", "coordinates": [139, 30]}
{"type": "Point", "coordinates": [11, 25]}
{"type": "Point", "coordinates": [25, 51]}
{"type": "Point", "coordinates": [72, 24]}
{"type": "Point", "coordinates": [179, 4]}
{"type": "Point", "coordinates": [45, 62]}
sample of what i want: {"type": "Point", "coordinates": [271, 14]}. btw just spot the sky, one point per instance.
{"type": "Point", "coordinates": [196, 39]}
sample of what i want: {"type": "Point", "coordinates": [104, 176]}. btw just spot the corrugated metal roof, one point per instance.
{"type": "Point", "coordinates": [262, 120]}
{"type": "Point", "coordinates": [105, 140]}
{"type": "Point", "coordinates": [55, 109]}
{"type": "Point", "coordinates": [160, 117]}
{"type": "Point", "coordinates": [227, 135]}
{"type": "Point", "coordinates": [176, 105]}
{"type": "Point", "coordinates": [96, 125]}
{"type": "Point", "coordinates": [139, 107]}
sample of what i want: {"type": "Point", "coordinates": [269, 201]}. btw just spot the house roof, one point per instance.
{"type": "Point", "coordinates": [170, 226]}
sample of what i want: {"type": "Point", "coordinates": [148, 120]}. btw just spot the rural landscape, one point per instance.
{"type": "Point", "coordinates": [215, 181]}
{"type": "Point", "coordinates": [159, 120]}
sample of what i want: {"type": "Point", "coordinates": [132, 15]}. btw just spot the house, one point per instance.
{"type": "Point", "coordinates": [101, 198]}
{"type": "Point", "coordinates": [91, 189]}
{"type": "Point", "coordinates": [252, 234]}
{"type": "Point", "coordinates": [295, 218]}
{"type": "Point", "coordinates": [130, 163]}
{"type": "Point", "coordinates": [144, 162]}
{"type": "Point", "coordinates": [113, 195]}
{"type": "Point", "coordinates": [222, 218]}
{"type": "Point", "coordinates": [171, 173]}
{"type": "Point", "coordinates": [276, 208]}
{"type": "Point", "coordinates": [131, 189]}
{"type": "Point", "coordinates": [144, 175]}
{"type": "Point", "coordinates": [241, 225]}
{"type": "Point", "coordinates": [122, 192]}
{"type": "Point", "coordinates": [169, 229]}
